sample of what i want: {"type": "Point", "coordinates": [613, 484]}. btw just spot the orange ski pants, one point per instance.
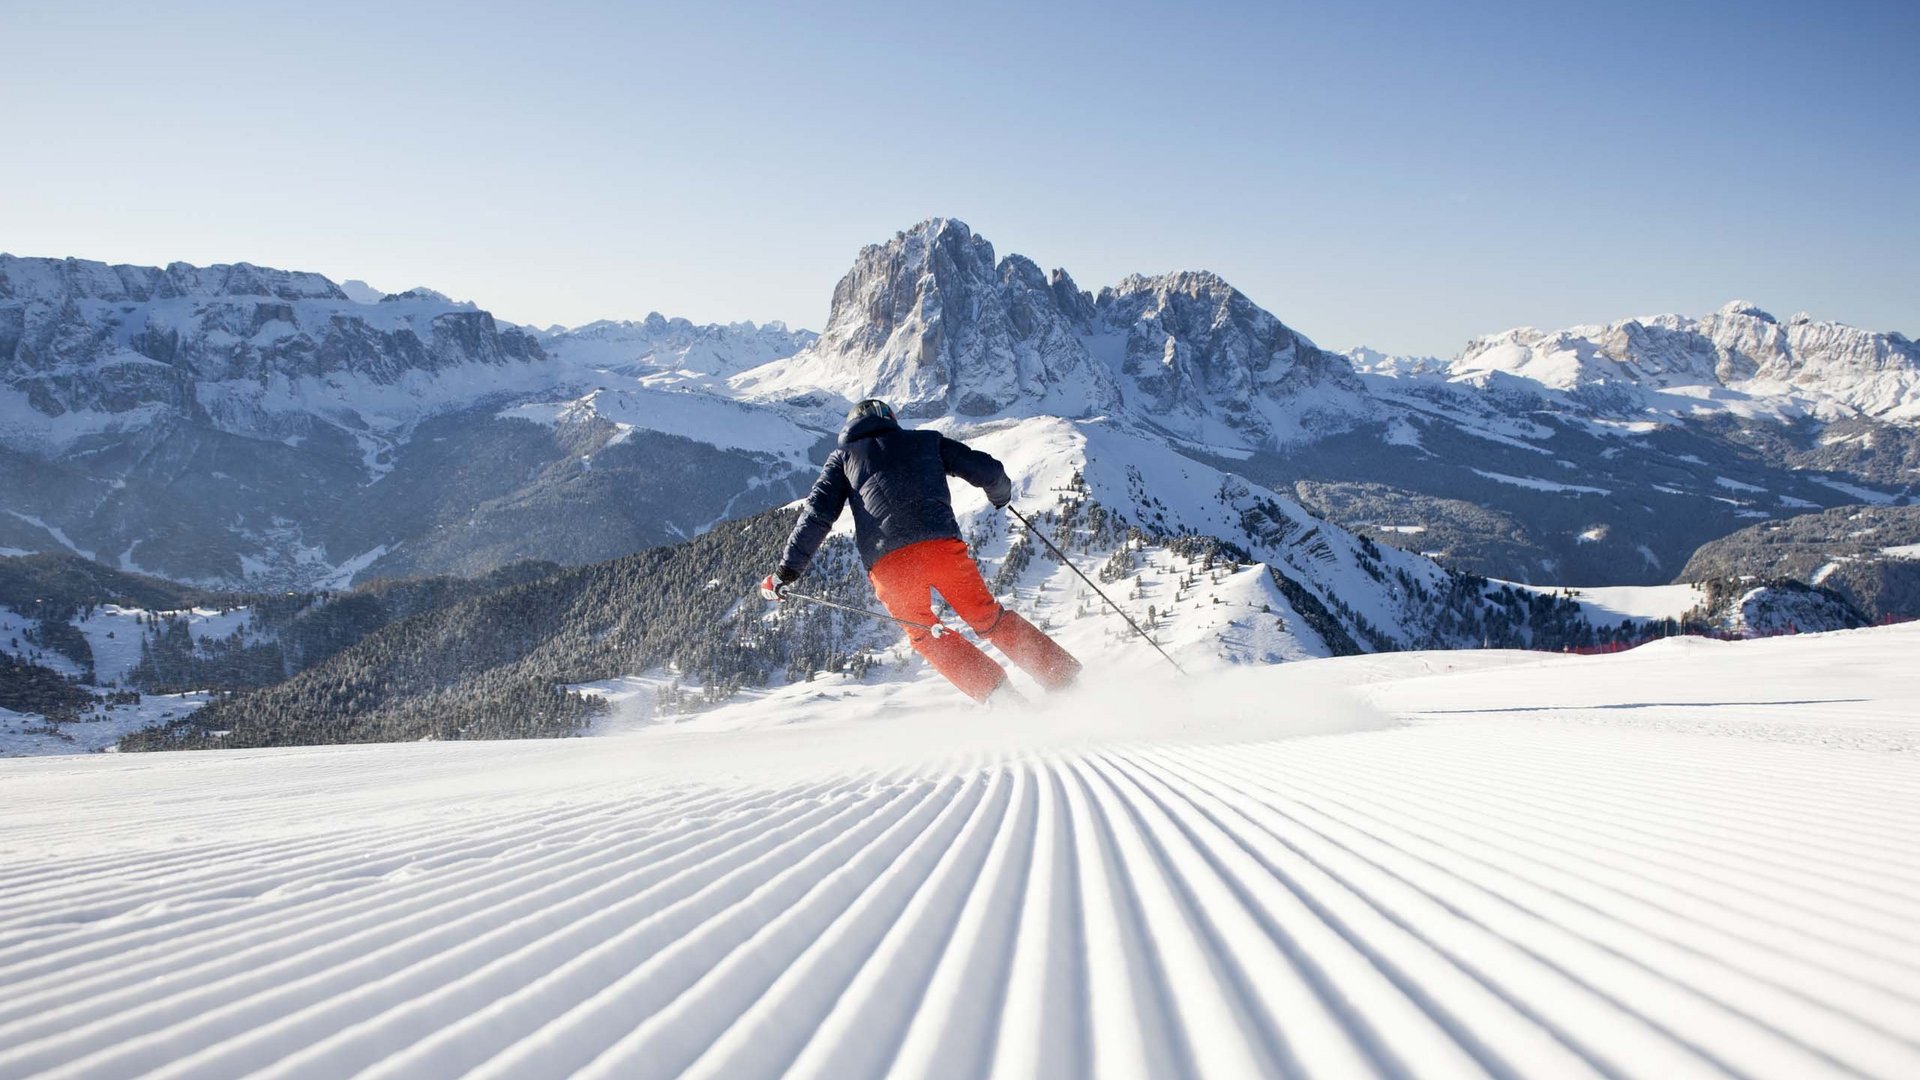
{"type": "Point", "coordinates": [903, 580]}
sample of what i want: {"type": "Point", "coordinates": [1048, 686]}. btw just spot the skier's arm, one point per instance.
{"type": "Point", "coordinates": [824, 503]}
{"type": "Point", "coordinates": [980, 469]}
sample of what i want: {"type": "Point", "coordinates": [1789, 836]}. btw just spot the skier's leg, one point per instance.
{"type": "Point", "coordinates": [900, 583]}
{"type": "Point", "coordinates": [958, 578]}
{"type": "Point", "coordinates": [1037, 654]}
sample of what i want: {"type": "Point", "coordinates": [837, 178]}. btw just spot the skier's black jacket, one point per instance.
{"type": "Point", "coordinates": [897, 482]}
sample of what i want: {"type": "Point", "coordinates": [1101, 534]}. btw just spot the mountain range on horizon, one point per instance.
{"type": "Point", "coordinates": [243, 426]}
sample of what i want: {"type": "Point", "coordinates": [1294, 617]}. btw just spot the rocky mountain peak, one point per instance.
{"type": "Point", "coordinates": [360, 292]}
{"type": "Point", "coordinates": [1747, 308]}
{"type": "Point", "coordinates": [434, 296]}
{"type": "Point", "coordinates": [1024, 273]}
{"type": "Point", "coordinates": [1192, 283]}
{"type": "Point", "coordinates": [1076, 302]}
{"type": "Point", "coordinates": [1205, 360]}
{"type": "Point", "coordinates": [932, 322]}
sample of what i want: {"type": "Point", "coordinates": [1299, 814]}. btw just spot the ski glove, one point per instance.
{"type": "Point", "coordinates": [774, 585]}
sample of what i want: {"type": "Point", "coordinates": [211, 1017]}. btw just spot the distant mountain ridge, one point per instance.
{"type": "Point", "coordinates": [247, 350]}
{"type": "Point", "coordinates": [669, 349]}
{"type": "Point", "coordinates": [1679, 429]}
{"type": "Point", "coordinates": [245, 427]}
{"type": "Point", "coordinates": [1739, 359]}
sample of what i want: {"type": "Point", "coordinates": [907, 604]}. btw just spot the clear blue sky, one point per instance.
{"type": "Point", "coordinates": [1401, 174]}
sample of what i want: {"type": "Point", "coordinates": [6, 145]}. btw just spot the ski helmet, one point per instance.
{"type": "Point", "coordinates": [869, 407]}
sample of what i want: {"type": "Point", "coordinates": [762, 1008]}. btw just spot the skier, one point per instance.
{"type": "Point", "coordinates": [903, 522]}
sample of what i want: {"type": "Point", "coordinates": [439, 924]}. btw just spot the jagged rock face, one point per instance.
{"type": "Point", "coordinates": [257, 428]}
{"type": "Point", "coordinates": [59, 280]}
{"type": "Point", "coordinates": [83, 337]}
{"type": "Point", "coordinates": [1196, 347]}
{"type": "Point", "coordinates": [931, 322]}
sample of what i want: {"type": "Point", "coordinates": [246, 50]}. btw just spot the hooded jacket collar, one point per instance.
{"type": "Point", "coordinates": [866, 428]}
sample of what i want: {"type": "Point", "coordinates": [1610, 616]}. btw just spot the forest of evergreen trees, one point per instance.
{"type": "Point", "coordinates": [287, 633]}
{"type": "Point", "coordinates": [57, 587]}
{"type": "Point", "coordinates": [495, 664]}
{"type": "Point", "coordinates": [27, 687]}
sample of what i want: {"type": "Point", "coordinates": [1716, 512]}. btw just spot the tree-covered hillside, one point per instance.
{"type": "Point", "coordinates": [495, 664]}
{"type": "Point", "coordinates": [1868, 554]}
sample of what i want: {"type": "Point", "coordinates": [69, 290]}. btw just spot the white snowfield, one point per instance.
{"type": "Point", "coordinates": [1693, 859]}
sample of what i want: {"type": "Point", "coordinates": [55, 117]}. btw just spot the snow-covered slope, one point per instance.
{"type": "Point", "coordinates": [1683, 861]}
{"type": "Point", "coordinates": [26, 734]}
{"type": "Point", "coordinates": [1218, 570]}
{"type": "Point", "coordinates": [1640, 601]}
{"type": "Point", "coordinates": [117, 640]}
{"type": "Point", "coordinates": [1308, 588]}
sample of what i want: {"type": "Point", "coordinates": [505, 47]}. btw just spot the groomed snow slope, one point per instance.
{"type": "Point", "coordinates": [1691, 859]}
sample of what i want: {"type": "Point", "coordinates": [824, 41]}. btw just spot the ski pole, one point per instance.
{"type": "Point", "coordinates": [935, 629]}
{"type": "Point", "coordinates": [1051, 546]}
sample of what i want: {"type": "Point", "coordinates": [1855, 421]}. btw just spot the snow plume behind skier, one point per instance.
{"type": "Point", "coordinates": [896, 482]}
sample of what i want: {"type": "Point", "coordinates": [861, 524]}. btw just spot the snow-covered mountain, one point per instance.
{"type": "Point", "coordinates": [1150, 426]}
{"type": "Point", "coordinates": [1220, 565]}
{"type": "Point", "coordinates": [932, 321]}
{"type": "Point", "coordinates": [1738, 360]}
{"type": "Point", "coordinates": [661, 347]}
{"type": "Point", "coordinates": [1608, 453]}
{"type": "Point", "coordinates": [1602, 455]}
{"type": "Point", "coordinates": [250, 427]}
{"type": "Point", "coordinates": [90, 349]}
{"type": "Point", "coordinates": [253, 427]}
